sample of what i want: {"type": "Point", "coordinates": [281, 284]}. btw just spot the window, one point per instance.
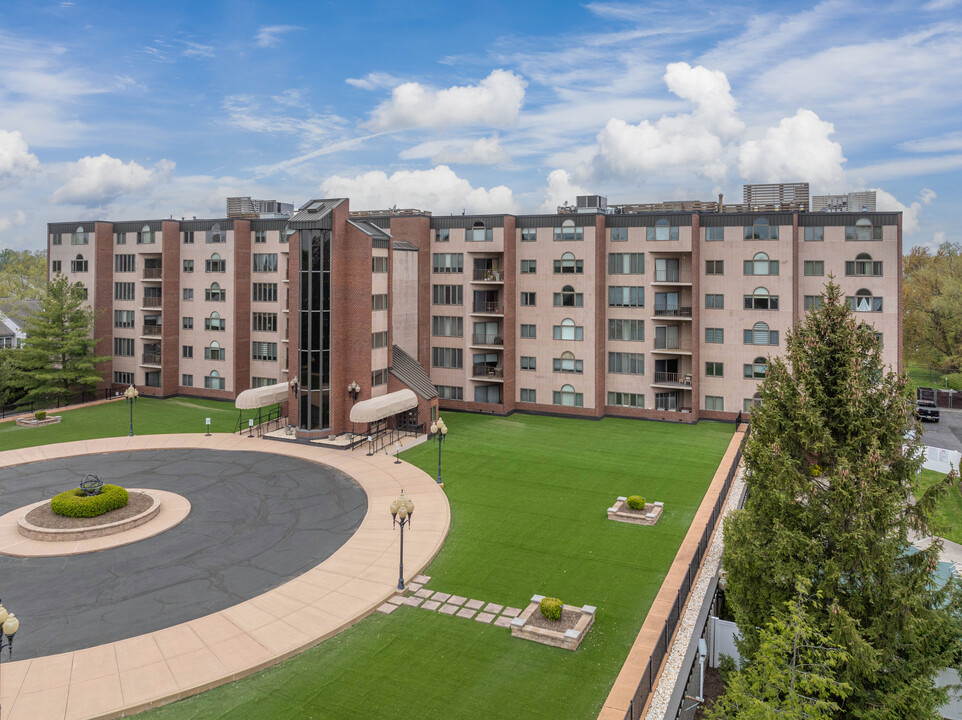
{"type": "Point", "coordinates": [145, 236]}
{"type": "Point", "coordinates": [187, 351]}
{"type": "Point", "coordinates": [379, 377]}
{"type": "Point", "coordinates": [626, 363]}
{"type": "Point", "coordinates": [123, 318]}
{"type": "Point", "coordinates": [528, 299]}
{"type": "Point", "coordinates": [751, 402]}
{"type": "Point", "coordinates": [714, 369]}
{"type": "Point", "coordinates": [812, 301]}
{"type": "Point", "coordinates": [188, 237]}
{"type": "Point", "coordinates": [529, 234]}
{"type": "Point", "coordinates": [864, 302]}
{"type": "Point", "coordinates": [266, 262]}
{"type": "Point", "coordinates": [379, 339]}
{"type": "Point", "coordinates": [631, 330]}
{"type": "Point", "coordinates": [862, 266]}
{"type": "Point", "coordinates": [715, 301]}
{"type": "Point", "coordinates": [529, 363]}
{"type": "Point", "coordinates": [379, 264]}
{"type": "Point", "coordinates": [814, 267]}
{"type": "Point", "coordinates": [78, 264]}
{"type": "Point", "coordinates": [568, 364]}
{"type": "Point", "coordinates": [626, 263]}
{"type": "Point", "coordinates": [214, 293]}
{"type": "Point", "coordinates": [529, 267]}
{"type": "Point", "coordinates": [215, 352]}
{"type": "Point", "coordinates": [124, 263]}
{"type": "Point", "coordinates": [187, 380]}
{"type": "Point", "coordinates": [617, 399]}
{"type": "Point", "coordinates": [447, 357]}
{"type": "Point", "coordinates": [662, 231]}
{"type": "Point", "coordinates": [215, 264]}
{"type": "Point", "coordinates": [714, 234]}
{"type": "Point", "coordinates": [447, 295]}
{"type": "Point", "coordinates": [214, 381]}
{"type": "Point", "coordinates": [188, 266]}
{"type": "Point", "coordinates": [379, 302]}
{"type": "Point", "coordinates": [567, 330]}
{"type": "Point", "coordinates": [262, 381]}
{"type": "Point", "coordinates": [447, 326]}
{"type": "Point", "coordinates": [189, 293]}
{"type": "Point", "coordinates": [863, 230]}
{"type": "Point", "coordinates": [528, 395]}
{"type": "Point", "coordinates": [715, 402]}
{"type": "Point", "coordinates": [666, 270]}
{"type": "Point", "coordinates": [626, 297]}
{"type": "Point", "coordinates": [260, 236]}
{"type": "Point", "coordinates": [80, 236]}
{"type": "Point", "coordinates": [123, 378]}
{"type": "Point", "coordinates": [214, 235]}
{"type": "Point", "coordinates": [568, 231]}
{"type": "Point", "coordinates": [714, 335]}
{"type": "Point", "coordinates": [618, 234]}
{"type": "Point", "coordinates": [757, 369]}
{"type": "Point", "coordinates": [264, 292]}
{"type": "Point", "coordinates": [761, 300]}
{"type": "Point", "coordinates": [814, 234]}
{"type": "Point", "coordinates": [479, 233]}
{"type": "Point", "coordinates": [489, 394]}
{"type": "Point", "coordinates": [761, 230]}
{"type": "Point", "coordinates": [56, 239]}
{"type": "Point", "coordinates": [567, 298]}
{"type": "Point", "coordinates": [124, 347]}
{"type": "Point", "coordinates": [448, 262]}
{"type": "Point", "coordinates": [215, 322]}
{"type": "Point", "coordinates": [529, 331]}
{"type": "Point", "coordinates": [124, 290]}
{"type": "Point", "coordinates": [55, 266]}
{"type": "Point", "coordinates": [450, 392]}
{"type": "Point", "coordinates": [264, 322]}
{"type": "Point", "coordinates": [568, 397]}
{"type": "Point", "coordinates": [187, 323]}
{"type": "Point", "coordinates": [761, 335]}
{"type": "Point", "coordinates": [442, 235]}
{"type": "Point", "coordinates": [761, 265]}
{"type": "Point", "coordinates": [714, 267]}
{"type": "Point", "coordinates": [263, 351]}
{"type": "Point", "coordinates": [120, 238]}
{"type": "Point", "coordinates": [568, 265]}
{"type": "Point", "coordinates": [666, 337]}
{"type": "Point", "coordinates": [84, 293]}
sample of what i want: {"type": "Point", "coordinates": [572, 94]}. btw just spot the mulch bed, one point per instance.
{"type": "Point", "coordinates": [569, 618]}
{"type": "Point", "coordinates": [44, 517]}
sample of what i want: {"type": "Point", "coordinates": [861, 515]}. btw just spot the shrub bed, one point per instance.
{"type": "Point", "coordinates": [636, 502]}
{"type": "Point", "coordinates": [40, 414]}
{"type": "Point", "coordinates": [551, 608]}
{"type": "Point", "coordinates": [74, 503]}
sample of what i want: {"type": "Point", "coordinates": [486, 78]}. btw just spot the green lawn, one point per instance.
{"type": "Point", "coordinates": [528, 497]}
{"type": "Point", "coordinates": [923, 377]}
{"type": "Point", "coordinates": [151, 417]}
{"type": "Point", "coordinates": [947, 522]}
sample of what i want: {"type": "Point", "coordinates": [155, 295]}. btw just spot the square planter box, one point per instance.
{"type": "Point", "coordinates": [622, 513]}
{"type": "Point", "coordinates": [33, 422]}
{"type": "Point", "coordinates": [568, 638]}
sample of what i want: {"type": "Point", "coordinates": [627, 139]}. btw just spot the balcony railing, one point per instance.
{"type": "Point", "coordinates": [671, 377]}
{"type": "Point", "coordinates": [151, 330]}
{"type": "Point", "coordinates": [493, 308]}
{"type": "Point", "coordinates": [152, 302]}
{"type": "Point", "coordinates": [673, 312]}
{"type": "Point", "coordinates": [483, 339]}
{"type": "Point", "coordinates": [484, 371]}
{"type": "Point", "coordinates": [493, 275]}
{"type": "Point", "coordinates": [153, 273]}
{"type": "Point", "coordinates": [151, 358]}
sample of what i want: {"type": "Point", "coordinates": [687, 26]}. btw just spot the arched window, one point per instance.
{"type": "Point", "coordinates": [760, 299]}
{"type": "Point", "coordinates": [567, 330]}
{"type": "Point", "coordinates": [663, 230]}
{"type": "Point", "coordinates": [761, 265]}
{"type": "Point", "coordinates": [215, 293]}
{"type": "Point", "coordinates": [568, 397]}
{"type": "Point", "coordinates": [568, 264]}
{"type": "Point", "coordinates": [864, 301]}
{"type": "Point", "coordinates": [215, 264]}
{"type": "Point", "coordinates": [757, 369]}
{"type": "Point", "coordinates": [145, 236]}
{"type": "Point", "coordinates": [79, 236]}
{"type": "Point", "coordinates": [863, 266]}
{"type": "Point", "coordinates": [214, 235]}
{"type": "Point", "coordinates": [214, 373]}
{"type": "Point", "coordinates": [215, 322]}
{"type": "Point", "coordinates": [568, 364]}
{"type": "Point", "coordinates": [761, 335]}
{"type": "Point", "coordinates": [214, 381]}
{"type": "Point", "coordinates": [760, 229]}
{"type": "Point", "coordinates": [568, 231]}
{"type": "Point", "coordinates": [568, 298]}
{"type": "Point", "coordinates": [78, 264]}
{"type": "Point", "coordinates": [214, 351]}
{"type": "Point", "coordinates": [479, 233]}
{"type": "Point", "coordinates": [863, 230]}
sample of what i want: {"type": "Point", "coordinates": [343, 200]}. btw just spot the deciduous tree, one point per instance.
{"type": "Point", "coordinates": [932, 307]}
{"type": "Point", "coordinates": [23, 274]}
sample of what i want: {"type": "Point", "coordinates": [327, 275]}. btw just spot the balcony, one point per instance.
{"type": "Point", "coordinates": [484, 339]}
{"type": "Point", "coordinates": [495, 275]}
{"type": "Point", "coordinates": [488, 308]}
{"type": "Point", "coordinates": [152, 302]}
{"type": "Point", "coordinates": [683, 313]}
{"type": "Point", "coordinates": [671, 346]}
{"type": "Point", "coordinates": [151, 330]}
{"type": "Point", "coordinates": [487, 373]}
{"type": "Point", "coordinates": [672, 380]}
{"type": "Point", "coordinates": [153, 273]}
{"type": "Point", "coordinates": [150, 359]}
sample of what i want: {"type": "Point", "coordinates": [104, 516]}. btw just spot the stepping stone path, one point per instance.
{"type": "Point", "coordinates": [421, 596]}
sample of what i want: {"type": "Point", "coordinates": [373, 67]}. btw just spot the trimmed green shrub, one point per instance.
{"type": "Point", "coordinates": [40, 414]}
{"type": "Point", "coordinates": [74, 503]}
{"type": "Point", "coordinates": [636, 502]}
{"type": "Point", "coordinates": [551, 608]}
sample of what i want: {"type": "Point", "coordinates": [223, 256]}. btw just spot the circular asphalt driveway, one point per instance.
{"type": "Point", "coordinates": [257, 521]}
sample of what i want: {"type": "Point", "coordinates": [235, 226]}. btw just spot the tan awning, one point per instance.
{"type": "Point", "coordinates": [378, 408]}
{"type": "Point", "coordinates": [262, 396]}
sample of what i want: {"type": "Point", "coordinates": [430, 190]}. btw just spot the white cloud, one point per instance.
{"type": "Point", "coordinates": [374, 81]}
{"type": "Point", "coordinates": [886, 202]}
{"type": "Point", "coordinates": [495, 101]}
{"type": "Point", "coordinates": [483, 151]}
{"type": "Point", "coordinates": [245, 112]}
{"type": "Point", "coordinates": [560, 190]}
{"type": "Point", "coordinates": [16, 159]}
{"type": "Point", "coordinates": [949, 142]}
{"type": "Point", "coordinates": [797, 149]}
{"type": "Point", "coordinates": [96, 181]}
{"type": "Point", "coordinates": [927, 196]}
{"type": "Point", "coordinates": [19, 217]}
{"type": "Point", "coordinates": [438, 189]}
{"type": "Point", "coordinates": [270, 35]}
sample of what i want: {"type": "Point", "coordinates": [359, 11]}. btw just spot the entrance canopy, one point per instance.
{"type": "Point", "coordinates": [378, 408]}
{"type": "Point", "coordinates": [262, 396]}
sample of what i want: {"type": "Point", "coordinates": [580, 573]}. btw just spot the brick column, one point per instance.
{"type": "Point", "coordinates": [241, 304]}
{"type": "Point", "coordinates": [696, 333]}
{"type": "Point", "coordinates": [601, 326]}
{"type": "Point", "coordinates": [102, 298]}
{"type": "Point", "coordinates": [170, 308]}
{"type": "Point", "coordinates": [509, 323]}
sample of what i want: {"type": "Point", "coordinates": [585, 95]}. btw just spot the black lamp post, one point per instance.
{"type": "Point", "coordinates": [402, 510]}
{"type": "Point", "coordinates": [440, 431]}
{"type": "Point", "coordinates": [10, 624]}
{"type": "Point", "coordinates": [131, 395]}
{"type": "Point", "coordinates": [353, 390]}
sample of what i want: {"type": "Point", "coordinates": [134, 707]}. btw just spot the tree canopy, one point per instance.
{"type": "Point", "coordinates": [23, 274]}
{"type": "Point", "coordinates": [932, 306]}
{"type": "Point", "coordinates": [830, 500]}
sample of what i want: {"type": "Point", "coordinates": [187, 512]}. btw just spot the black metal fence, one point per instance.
{"type": "Point", "coordinates": [24, 408]}
{"type": "Point", "coordinates": [637, 705]}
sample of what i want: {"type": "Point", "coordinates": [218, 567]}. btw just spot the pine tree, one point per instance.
{"type": "Point", "coordinates": [57, 358]}
{"type": "Point", "coordinates": [830, 499]}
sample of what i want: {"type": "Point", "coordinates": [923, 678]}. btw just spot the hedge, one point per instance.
{"type": "Point", "coordinates": [636, 502]}
{"type": "Point", "coordinates": [74, 503]}
{"type": "Point", "coordinates": [551, 608]}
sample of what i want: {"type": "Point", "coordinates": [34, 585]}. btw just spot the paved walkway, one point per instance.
{"type": "Point", "coordinates": [125, 677]}
{"type": "Point", "coordinates": [448, 604]}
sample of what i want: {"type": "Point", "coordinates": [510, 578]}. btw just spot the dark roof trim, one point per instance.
{"type": "Point", "coordinates": [743, 219]}
{"type": "Point", "coordinates": [648, 220]}
{"type": "Point", "coordinates": [467, 221]}
{"type": "Point", "coordinates": [409, 371]}
{"type": "Point", "coordinates": [833, 219]}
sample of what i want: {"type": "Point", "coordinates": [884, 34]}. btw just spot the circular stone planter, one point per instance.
{"type": "Point", "coordinates": [94, 530]}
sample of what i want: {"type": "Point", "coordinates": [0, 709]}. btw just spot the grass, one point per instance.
{"type": "Point", "coordinates": [947, 520]}
{"type": "Point", "coordinates": [528, 496]}
{"type": "Point", "coordinates": [924, 377]}
{"type": "Point", "coordinates": [112, 419]}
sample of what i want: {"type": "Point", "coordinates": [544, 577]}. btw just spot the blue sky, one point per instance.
{"type": "Point", "coordinates": [130, 110]}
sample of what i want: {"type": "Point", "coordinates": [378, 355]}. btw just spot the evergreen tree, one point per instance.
{"type": "Point", "coordinates": [57, 359]}
{"type": "Point", "coordinates": [830, 499]}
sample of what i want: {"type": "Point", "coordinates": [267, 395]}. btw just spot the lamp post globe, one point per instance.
{"type": "Point", "coordinates": [131, 394]}
{"type": "Point", "coordinates": [402, 510]}
{"type": "Point", "coordinates": [9, 624]}
{"type": "Point", "coordinates": [439, 431]}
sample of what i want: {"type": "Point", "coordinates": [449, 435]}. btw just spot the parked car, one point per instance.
{"type": "Point", "coordinates": [926, 411]}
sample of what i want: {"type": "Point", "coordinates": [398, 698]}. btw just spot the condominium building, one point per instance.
{"type": "Point", "coordinates": [660, 313]}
